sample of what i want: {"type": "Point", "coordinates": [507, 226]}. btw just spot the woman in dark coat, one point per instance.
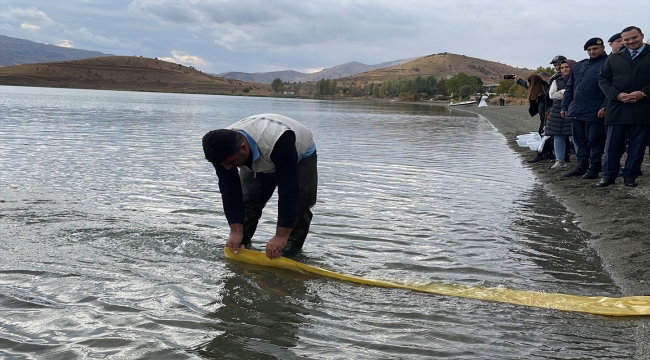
{"type": "Point", "coordinates": [556, 125]}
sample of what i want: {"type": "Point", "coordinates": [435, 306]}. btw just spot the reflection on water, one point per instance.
{"type": "Point", "coordinates": [112, 234]}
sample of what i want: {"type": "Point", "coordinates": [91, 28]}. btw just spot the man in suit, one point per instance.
{"type": "Point", "coordinates": [625, 79]}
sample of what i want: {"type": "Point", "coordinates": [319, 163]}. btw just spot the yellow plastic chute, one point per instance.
{"type": "Point", "coordinates": [624, 306]}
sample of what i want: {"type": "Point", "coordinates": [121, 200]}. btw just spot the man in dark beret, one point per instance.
{"type": "Point", "coordinates": [615, 42]}
{"type": "Point", "coordinates": [584, 103]}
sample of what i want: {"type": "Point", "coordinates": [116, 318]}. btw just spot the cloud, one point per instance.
{"type": "Point", "coordinates": [29, 26]}
{"type": "Point", "coordinates": [65, 44]}
{"type": "Point", "coordinates": [30, 16]}
{"type": "Point", "coordinates": [85, 39]}
{"type": "Point", "coordinates": [311, 71]}
{"type": "Point", "coordinates": [185, 59]}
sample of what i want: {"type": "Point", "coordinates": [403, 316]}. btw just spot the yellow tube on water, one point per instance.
{"type": "Point", "coordinates": [624, 306]}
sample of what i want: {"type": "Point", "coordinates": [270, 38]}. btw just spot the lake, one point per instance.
{"type": "Point", "coordinates": [112, 235]}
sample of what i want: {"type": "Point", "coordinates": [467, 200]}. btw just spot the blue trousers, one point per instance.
{"type": "Point", "coordinates": [589, 138]}
{"type": "Point", "coordinates": [637, 136]}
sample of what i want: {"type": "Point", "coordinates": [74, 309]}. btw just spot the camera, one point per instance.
{"type": "Point", "coordinates": [508, 77]}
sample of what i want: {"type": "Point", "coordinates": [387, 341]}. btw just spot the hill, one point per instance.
{"type": "Point", "coordinates": [291, 76]}
{"type": "Point", "coordinates": [263, 77]}
{"type": "Point", "coordinates": [125, 73]}
{"type": "Point", "coordinates": [440, 66]}
{"type": "Point", "coordinates": [15, 51]}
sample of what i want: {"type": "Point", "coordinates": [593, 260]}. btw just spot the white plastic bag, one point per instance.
{"type": "Point", "coordinates": [540, 148]}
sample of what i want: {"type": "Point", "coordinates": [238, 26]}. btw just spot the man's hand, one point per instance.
{"type": "Point", "coordinates": [637, 95]}
{"type": "Point", "coordinates": [629, 98]}
{"type": "Point", "coordinates": [563, 114]}
{"type": "Point", "coordinates": [277, 243]}
{"type": "Point", "coordinates": [235, 237]}
{"type": "Point", "coordinates": [601, 113]}
{"type": "Point", "coordinates": [622, 97]}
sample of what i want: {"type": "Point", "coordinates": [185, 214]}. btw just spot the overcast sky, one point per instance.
{"type": "Point", "coordinates": [258, 36]}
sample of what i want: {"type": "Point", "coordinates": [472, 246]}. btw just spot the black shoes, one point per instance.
{"type": "Point", "coordinates": [605, 182]}
{"type": "Point", "coordinates": [579, 170]}
{"type": "Point", "coordinates": [629, 182]}
{"type": "Point", "coordinates": [592, 171]}
{"type": "Point", "coordinates": [538, 157]}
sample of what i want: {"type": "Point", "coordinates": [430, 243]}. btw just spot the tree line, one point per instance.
{"type": "Point", "coordinates": [459, 86]}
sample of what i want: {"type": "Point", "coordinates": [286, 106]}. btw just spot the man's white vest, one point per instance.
{"type": "Point", "coordinates": [265, 130]}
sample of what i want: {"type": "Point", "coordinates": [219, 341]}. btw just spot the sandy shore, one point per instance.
{"type": "Point", "coordinates": [617, 217]}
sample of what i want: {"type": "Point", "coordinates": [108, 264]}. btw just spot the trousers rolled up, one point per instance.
{"type": "Point", "coordinates": [589, 139]}
{"type": "Point", "coordinates": [637, 138]}
{"type": "Point", "coordinates": [257, 189]}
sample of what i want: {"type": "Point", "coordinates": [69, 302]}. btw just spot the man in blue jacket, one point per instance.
{"type": "Point", "coordinates": [584, 103]}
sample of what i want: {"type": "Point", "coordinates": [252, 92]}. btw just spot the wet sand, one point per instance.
{"type": "Point", "coordinates": [617, 217]}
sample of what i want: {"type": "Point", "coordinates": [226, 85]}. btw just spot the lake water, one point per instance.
{"type": "Point", "coordinates": [112, 235]}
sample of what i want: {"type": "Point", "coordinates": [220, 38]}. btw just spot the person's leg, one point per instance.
{"type": "Point", "coordinates": [616, 135]}
{"type": "Point", "coordinates": [597, 135]}
{"type": "Point", "coordinates": [637, 136]}
{"type": "Point", "coordinates": [257, 189]}
{"type": "Point", "coordinates": [582, 152]}
{"type": "Point", "coordinates": [580, 140]}
{"type": "Point", "coordinates": [568, 146]}
{"type": "Point", "coordinates": [308, 183]}
{"type": "Point", "coordinates": [560, 147]}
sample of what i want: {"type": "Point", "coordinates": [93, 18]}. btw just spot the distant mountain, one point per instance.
{"type": "Point", "coordinates": [264, 78]}
{"type": "Point", "coordinates": [291, 76]}
{"type": "Point", "coordinates": [15, 51]}
{"type": "Point", "coordinates": [441, 66]}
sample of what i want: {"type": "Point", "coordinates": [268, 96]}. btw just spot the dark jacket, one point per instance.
{"type": "Point", "coordinates": [555, 124]}
{"type": "Point", "coordinates": [582, 95]}
{"type": "Point", "coordinates": [621, 74]}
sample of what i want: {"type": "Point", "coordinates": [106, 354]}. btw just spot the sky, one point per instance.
{"type": "Point", "coordinates": [218, 36]}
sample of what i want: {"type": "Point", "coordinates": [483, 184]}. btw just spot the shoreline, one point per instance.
{"type": "Point", "coordinates": [616, 217]}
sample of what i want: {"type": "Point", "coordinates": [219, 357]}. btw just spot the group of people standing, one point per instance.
{"type": "Point", "coordinates": [599, 105]}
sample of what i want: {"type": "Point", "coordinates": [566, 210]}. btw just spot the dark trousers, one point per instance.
{"type": "Point", "coordinates": [637, 136]}
{"type": "Point", "coordinates": [589, 139]}
{"type": "Point", "coordinates": [258, 189]}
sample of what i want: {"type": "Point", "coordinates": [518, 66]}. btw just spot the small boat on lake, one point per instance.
{"type": "Point", "coordinates": [462, 103]}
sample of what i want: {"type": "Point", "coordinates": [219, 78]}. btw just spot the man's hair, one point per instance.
{"type": "Point", "coordinates": [630, 28]}
{"type": "Point", "coordinates": [219, 144]}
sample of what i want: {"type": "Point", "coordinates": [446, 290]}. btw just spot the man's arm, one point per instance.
{"type": "Point", "coordinates": [233, 204]}
{"type": "Point", "coordinates": [285, 159]}
{"type": "Point", "coordinates": [605, 82]}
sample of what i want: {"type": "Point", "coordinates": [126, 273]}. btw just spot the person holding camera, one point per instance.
{"type": "Point", "coordinates": [584, 105]}
{"type": "Point", "coordinates": [539, 104]}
